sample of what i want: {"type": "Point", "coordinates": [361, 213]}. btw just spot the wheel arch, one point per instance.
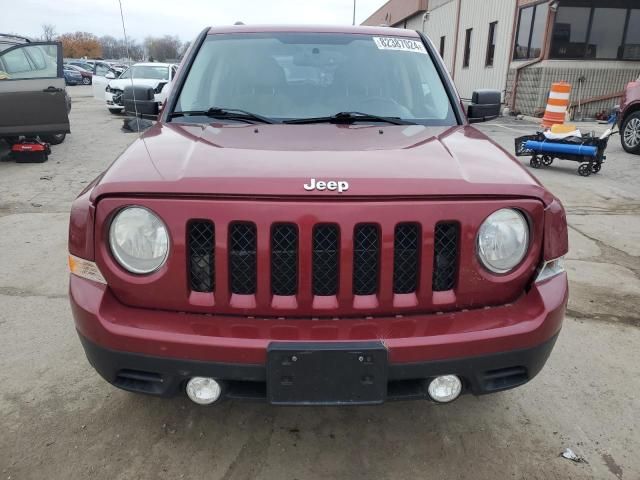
{"type": "Point", "coordinates": [630, 110]}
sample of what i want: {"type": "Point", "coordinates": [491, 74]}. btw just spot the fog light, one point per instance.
{"type": "Point", "coordinates": [445, 388]}
{"type": "Point", "coordinates": [203, 391]}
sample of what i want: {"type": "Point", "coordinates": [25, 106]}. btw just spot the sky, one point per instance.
{"type": "Point", "coordinates": [185, 18]}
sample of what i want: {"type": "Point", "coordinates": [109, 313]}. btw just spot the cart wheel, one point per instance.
{"type": "Point", "coordinates": [584, 170]}
{"type": "Point", "coordinates": [547, 160]}
{"type": "Point", "coordinates": [595, 168]}
{"type": "Point", "coordinates": [535, 162]}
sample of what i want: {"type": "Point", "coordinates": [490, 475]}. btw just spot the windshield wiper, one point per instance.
{"type": "Point", "coordinates": [225, 113]}
{"type": "Point", "coordinates": [350, 117]}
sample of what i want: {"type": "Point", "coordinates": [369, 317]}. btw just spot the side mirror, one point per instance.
{"type": "Point", "coordinates": [110, 75]}
{"type": "Point", "coordinates": [485, 105]}
{"type": "Point", "coordinates": [140, 100]}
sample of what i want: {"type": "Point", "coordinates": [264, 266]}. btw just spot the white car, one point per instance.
{"type": "Point", "coordinates": [154, 75]}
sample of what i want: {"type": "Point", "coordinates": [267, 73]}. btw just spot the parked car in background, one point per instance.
{"type": "Point", "coordinates": [32, 90]}
{"type": "Point", "coordinates": [118, 67]}
{"type": "Point", "coordinates": [630, 118]}
{"type": "Point", "coordinates": [86, 74]}
{"type": "Point", "coordinates": [152, 75]}
{"type": "Point", "coordinates": [71, 76]}
{"type": "Point", "coordinates": [81, 63]}
{"type": "Point", "coordinates": [102, 74]}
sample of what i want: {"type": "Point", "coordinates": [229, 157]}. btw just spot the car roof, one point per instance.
{"type": "Point", "coordinates": [152, 64]}
{"type": "Point", "coordinates": [11, 38]}
{"type": "Point", "coordinates": [348, 29]}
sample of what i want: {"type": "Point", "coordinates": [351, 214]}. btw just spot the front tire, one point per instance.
{"type": "Point", "coordinates": [630, 133]}
{"type": "Point", "coordinates": [56, 139]}
{"type": "Point", "coordinates": [114, 111]}
{"type": "Point", "coordinates": [535, 162]}
{"type": "Point", "coordinates": [584, 170]}
{"type": "Point", "coordinates": [86, 81]}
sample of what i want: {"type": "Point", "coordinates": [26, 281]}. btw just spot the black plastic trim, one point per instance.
{"type": "Point", "coordinates": [183, 72]}
{"type": "Point", "coordinates": [480, 374]}
{"type": "Point", "coordinates": [449, 87]}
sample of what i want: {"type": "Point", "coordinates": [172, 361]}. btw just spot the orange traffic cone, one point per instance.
{"type": "Point", "coordinates": [557, 104]}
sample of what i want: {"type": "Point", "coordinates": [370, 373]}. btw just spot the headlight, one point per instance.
{"type": "Point", "coordinates": [139, 240]}
{"type": "Point", "coordinates": [503, 240]}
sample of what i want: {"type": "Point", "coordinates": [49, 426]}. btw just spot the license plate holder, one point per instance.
{"type": "Point", "coordinates": [353, 373]}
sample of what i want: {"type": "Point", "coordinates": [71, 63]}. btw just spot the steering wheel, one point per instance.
{"type": "Point", "coordinates": [401, 109]}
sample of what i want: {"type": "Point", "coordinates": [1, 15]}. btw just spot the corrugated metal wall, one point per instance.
{"type": "Point", "coordinates": [601, 77]}
{"type": "Point", "coordinates": [478, 15]}
{"type": "Point", "coordinates": [442, 23]}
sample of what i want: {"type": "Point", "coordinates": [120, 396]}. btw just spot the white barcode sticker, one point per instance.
{"type": "Point", "coordinates": [403, 44]}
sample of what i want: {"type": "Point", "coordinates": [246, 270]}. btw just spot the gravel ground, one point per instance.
{"type": "Point", "coordinates": [60, 420]}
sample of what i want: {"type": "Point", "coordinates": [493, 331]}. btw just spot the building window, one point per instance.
{"type": "Point", "coordinates": [610, 32]}
{"type": "Point", "coordinates": [442, 44]}
{"type": "Point", "coordinates": [467, 48]}
{"type": "Point", "coordinates": [532, 23]}
{"type": "Point", "coordinates": [538, 30]}
{"type": "Point", "coordinates": [491, 44]}
{"type": "Point", "coordinates": [631, 50]}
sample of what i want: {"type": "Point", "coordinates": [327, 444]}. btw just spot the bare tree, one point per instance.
{"type": "Point", "coordinates": [163, 48]}
{"type": "Point", "coordinates": [116, 48]}
{"type": "Point", "coordinates": [183, 49]}
{"type": "Point", "coordinates": [48, 32]}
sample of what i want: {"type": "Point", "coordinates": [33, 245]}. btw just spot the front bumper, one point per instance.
{"type": "Point", "coordinates": [114, 101]}
{"type": "Point", "coordinates": [154, 352]}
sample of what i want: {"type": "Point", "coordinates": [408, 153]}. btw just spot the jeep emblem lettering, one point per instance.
{"type": "Point", "coordinates": [333, 185]}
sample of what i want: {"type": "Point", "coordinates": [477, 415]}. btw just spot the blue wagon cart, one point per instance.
{"type": "Point", "coordinates": [589, 151]}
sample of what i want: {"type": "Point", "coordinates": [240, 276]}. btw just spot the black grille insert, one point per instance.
{"type": "Point", "coordinates": [405, 258]}
{"type": "Point", "coordinates": [445, 256]}
{"type": "Point", "coordinates": [366, 246]}
{"type": "Point", "coordinates": [325, 260]}
{"type": "Point", "coordinates": [504, 378]}
{"type": "Point", "coordinates": [284, 260]}
{"type": "Point", "coordinates": [242, 258]}
{"type": "Point", "coordinates": [201, 245]}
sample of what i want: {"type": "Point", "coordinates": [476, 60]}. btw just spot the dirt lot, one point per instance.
{"type": "Point", "coordinates": [58, 419]}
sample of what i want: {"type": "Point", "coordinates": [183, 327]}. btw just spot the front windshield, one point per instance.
{"type": "Point", "coordinates": [286, 76]}
{"type": "Point", "coordinates": [147, 71]}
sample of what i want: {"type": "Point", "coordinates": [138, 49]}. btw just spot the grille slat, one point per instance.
{"type": "Point", "coordinates": [284, 260]}
{"type": "Point", "coordinates": [242, 258]}
{"type": "Point", "coordinates": [366, 246]}
{"type": "Point", "coordinates": [445, 256]}
{"type": "Point", "coordinates": [201, 245]}
{"type": "Point", "coordinates": [325, 260]}
{"type": "Point", "coordinates": [405, 258]}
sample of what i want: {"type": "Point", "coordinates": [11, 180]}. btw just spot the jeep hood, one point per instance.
{"type": "Point", "coordinates": [277, 160]}
{"type": "Point", "coordinates": [120, 84]}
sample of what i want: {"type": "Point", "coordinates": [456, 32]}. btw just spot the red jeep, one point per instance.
{"type": "Point", "coordinates": [313, 220]}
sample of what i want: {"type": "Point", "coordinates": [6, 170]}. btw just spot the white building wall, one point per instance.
{"type": "Point", "coordinates": [478, 14]}
{"type": "Point", "coordinates": [441, 22]}
{"type": "Point", "coordinates": [415, 22]}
